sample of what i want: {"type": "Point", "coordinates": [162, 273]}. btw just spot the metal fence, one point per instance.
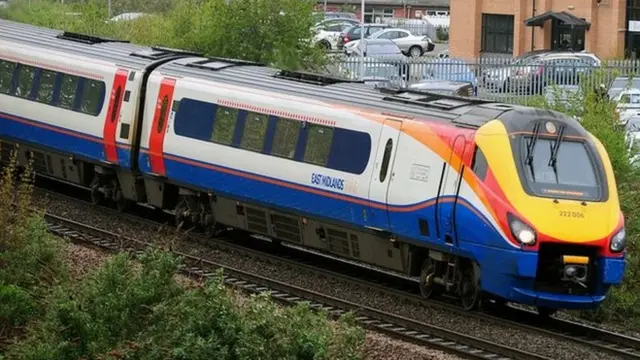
{"type": "Point", "coordinates": [496, 78]}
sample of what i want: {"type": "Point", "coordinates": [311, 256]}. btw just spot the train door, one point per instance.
{"type": "Point", "coordinates": [383, 175]}
{"type": "Point", "coordinates": [450, 182]}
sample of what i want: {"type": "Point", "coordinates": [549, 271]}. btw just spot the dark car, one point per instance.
{"type": "Point", "coordinates": [335, 15]}
{"type": "Point", "coordinates": [446, 87]}
{"type": "Point", "coordinates": [558, 69]}
{"type": "Point", "coordinates": [354, 33]}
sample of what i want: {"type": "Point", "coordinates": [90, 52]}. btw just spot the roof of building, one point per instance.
{"type": "Point", "coordinates": [399, 3]}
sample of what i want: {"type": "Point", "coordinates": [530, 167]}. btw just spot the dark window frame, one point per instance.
{"type": "Point", "coordinates": [499, 27]}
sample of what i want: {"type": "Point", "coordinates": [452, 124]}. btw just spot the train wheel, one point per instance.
{"type": "Point", "coordinates": [96, 195]}
{"type": "Point", "coordinates": [121, 203]}
{"type": "Point", "coordinates": [428, 288]}
{"type": "Point", "coordinates": [470, 291]}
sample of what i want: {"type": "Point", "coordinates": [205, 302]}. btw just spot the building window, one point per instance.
{"type": "Point", "coordinates": [497, 33]}
{"type": "Point", "coordinates": [375, 15]}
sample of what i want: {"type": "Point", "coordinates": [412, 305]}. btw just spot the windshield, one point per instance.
{"type": "Point", "coordinates": [573, 176]}
{"type": "Point", "coordinates": [623, 83]}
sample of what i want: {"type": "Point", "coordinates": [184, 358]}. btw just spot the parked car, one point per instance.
{"type": "Point", "coordinates": [376, 73]}
{"type": "Point", "coordinates": [353, 33]}
{"type": "Point", "coordinates": [540, 72]}
{"type": "Point", "coordinates": [327, 34]}
{"type": "Point", "coordinates": [376, 48]}
{"type": "Point", "coordinates": [127, 16]}
{"type": "Point", "coordinates": [450, 70]}
{"type": "Point", "coordinates": [497, 78]}
{"type": "Point", "coordinates": [335, 15]}
{"type": "Point", "coordinates": [329, 22]}
{"type": "Point", "coordinates": [446, 87]}
{"type": "Point", "coordinates": [621, 83]}
{"type": "Point", "coordinates": [379, 53]}
{"type": "Point", "coordinates": [409, 44]}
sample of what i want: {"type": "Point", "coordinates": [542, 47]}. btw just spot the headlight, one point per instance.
{"type": "Point", "coordinates": [521, 231]}
{"type": "Point", "coordinates": [618, 241]}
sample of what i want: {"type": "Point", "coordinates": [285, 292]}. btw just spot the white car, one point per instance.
{"type": "Point", "coordinates": [327, 34]}
{"type": "Point", "coordinates": [409, 44]}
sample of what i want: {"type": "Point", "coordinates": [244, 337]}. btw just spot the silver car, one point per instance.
{"type": "Point", "coordinates": [409, 44]}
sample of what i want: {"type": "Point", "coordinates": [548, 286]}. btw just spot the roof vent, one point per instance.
{"type": "Point", "coordinates": [311, 78]}
{"type": "Point", "coordinates": [87, 39]}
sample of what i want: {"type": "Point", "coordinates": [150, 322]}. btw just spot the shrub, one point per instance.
{"type": "Point", "coordinates": [274, 32]}
{"type": "Point", "coordinates": [29, 257]}
{"type": "Point", "coordinates": [139, 311]}
{"type": "Point", "coordinates": [442, 33]}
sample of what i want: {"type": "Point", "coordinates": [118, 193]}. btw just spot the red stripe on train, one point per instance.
{"type": "Point", "coordinates": [159, 126]}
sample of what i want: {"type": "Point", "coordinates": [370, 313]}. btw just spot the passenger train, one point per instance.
{"type": "Point", "coordinates": [469, 196]}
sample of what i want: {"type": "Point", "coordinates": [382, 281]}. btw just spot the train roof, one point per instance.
{"type": "Point", "coordinates": [407, 103]}
{"type": "Point", "coordinates": [122, 53]}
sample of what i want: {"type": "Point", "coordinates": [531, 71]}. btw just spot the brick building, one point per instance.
{"type": "Point", "coordinates": [608, 28]}
{"type": "Point", "coordinates": [379, 9]}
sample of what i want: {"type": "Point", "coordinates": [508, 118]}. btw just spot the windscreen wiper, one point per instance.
{"type": "Point", "coordinates": [530, 146]}
{"type": "Point", "coordinates": [553, 159]}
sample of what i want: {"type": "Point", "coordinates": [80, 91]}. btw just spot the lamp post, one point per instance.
{"type": "Point", "coordinates": [109, 4]}
{"type": "Point", "coordinates": [362, 40]}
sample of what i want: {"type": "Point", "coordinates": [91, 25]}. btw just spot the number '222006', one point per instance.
{"type": "Point", "coordinates": [573, 214]}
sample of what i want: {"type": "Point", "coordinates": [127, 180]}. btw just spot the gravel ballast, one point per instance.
{"type": "Point", "coordinates": [523, 340]}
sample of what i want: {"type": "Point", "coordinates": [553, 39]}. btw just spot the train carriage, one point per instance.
{"type": "Point", "coordinates": [72, 101]}
{"type": "Point", "coordinates": [466, 195]}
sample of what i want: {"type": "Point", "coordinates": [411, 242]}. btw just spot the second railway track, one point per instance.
{"type": "Point", "coordinates": [613, 343]}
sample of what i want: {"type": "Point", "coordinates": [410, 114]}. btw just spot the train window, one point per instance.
{"type": "Point", "coordinates": [68, 91]}
{"type": "Point", "coordinates": [386, 159]}
{"type": "Point", "coordinates": [6, 75]}
{"type": "Point", "coordinates": [26, 75]}
{"type": "Point", "coordinates": [285, 139]}
{"type": "Point", "coordinates": [255, 129]}
{"type": "Point", "coordinates": [224, 125]}
{"type": "Point", "coordinates": [318, 144]}
{"type": "Point", "coordinates": [92, 97]}
{"type": "Point", "coordinates": [163, 114]}
{"type": "Point", "coordinates": [479, 165]}
{"type": "Point", "coordinates": [45, 89]}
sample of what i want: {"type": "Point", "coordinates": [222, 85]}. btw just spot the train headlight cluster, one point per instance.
{"type": "Point", "coordinates": [521, 231]}
{"type": "Point", "coordinates": [618, 241]}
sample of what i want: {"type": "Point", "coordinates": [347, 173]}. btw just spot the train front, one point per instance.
{"type": "Point", "coordinates": [556, 201]}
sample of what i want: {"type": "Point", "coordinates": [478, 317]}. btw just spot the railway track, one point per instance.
{"type": "Point", "coordinates": [406, 290]}
{"type": "Point", "coordinates": [390, 324]}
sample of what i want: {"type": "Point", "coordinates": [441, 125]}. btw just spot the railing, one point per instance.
{"type": "Point", "coordinates": [501, 79]}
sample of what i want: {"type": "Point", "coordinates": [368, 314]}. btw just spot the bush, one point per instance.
{"type": "Point", "coordinates": [137, 310]}
{"type": "Point", "coordinates": [442, 33]}
{"type": "Point", "coordinates": [276, 32]}
{"type": "Point", "coordinates": [29, 257]}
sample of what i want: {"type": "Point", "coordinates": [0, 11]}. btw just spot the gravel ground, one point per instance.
{"type": "Point", "coordinates": [527, 341]}
{"type": "Point", "coordinates": [82, 260]}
